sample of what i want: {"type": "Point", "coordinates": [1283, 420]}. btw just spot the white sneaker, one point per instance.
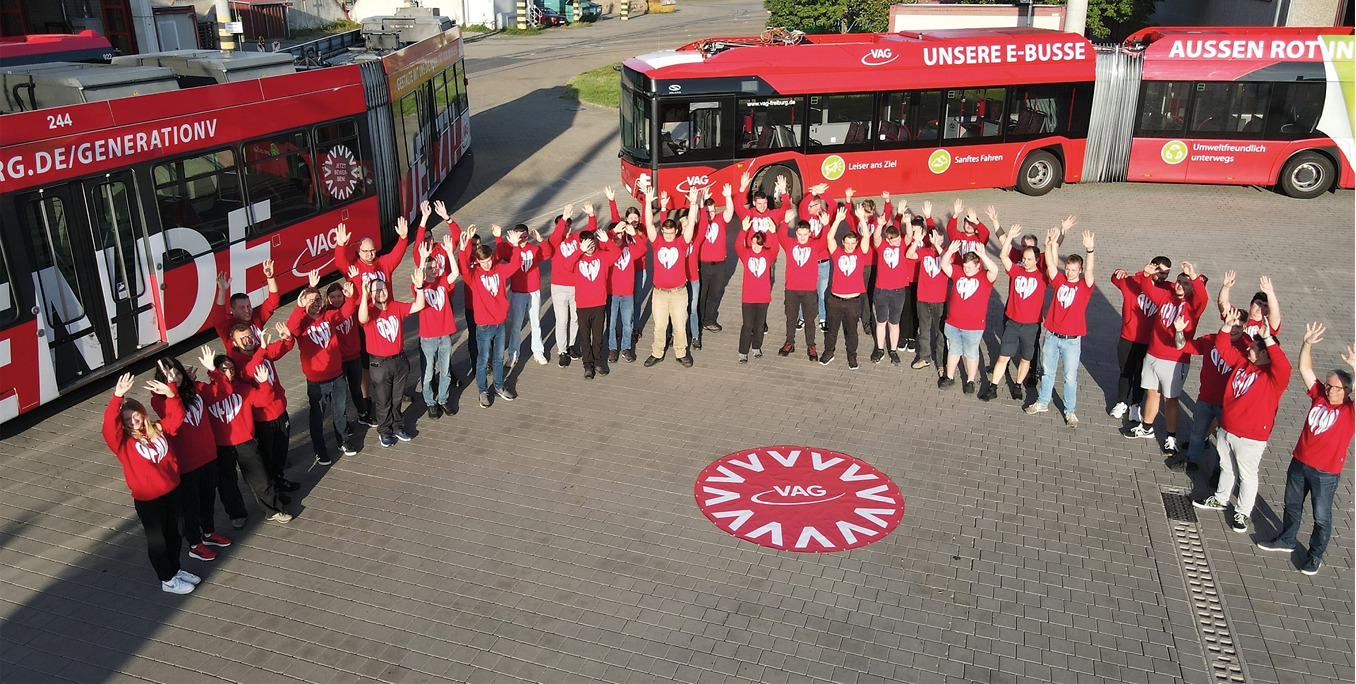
{"type": "Point", "coordinates": [1071, 420]}
{"type": "Point", "coordinates": [188, 577]}
{"type": "Point", "coordinates": [541, 360]}
{"type": "Point", "coordinates": [1140, 432]}
{"type": "Point", "coordinates": [280, 517]}
{"type": "Point", "coordinates": [1036, 408]}
{"type": "Point", "coordinates": [1170, 444]}
{"type": "Point", "coordinates": [1118, 411]}
{"type": "Point", "coordinates": [176, 585]}
{"type": "Point", "coordinates": [1137, 413]}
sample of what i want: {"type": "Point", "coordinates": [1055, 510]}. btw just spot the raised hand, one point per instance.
{"type": "Point", "coordinates": [353, 272]}
{"type": "Point", "coordinates": [957, 207]}
{"type": "Point", "coordinates": [157, 387]}
{"type": "Point", "coordinates": [260, 374]}
{"type": "Point", "coordinates": [465, 240]}
{"type": "Point", "coordinates": [567, 213]}
{"type": "Point", "coordinates": [1313, 333]}
{"type": "Point", "coordinates": [206, 357]}
{"type": "Point", "coordinates": [1189, 269]}
{"type": "Point", "coordinates": [424, 208]}
{"type": "Point", "coordinates": [927, 209]}
{"type": "Point", "coordinates": [305, 299]}
{"type": "Point", "coordinates": [1067, 223]}
{"type": "Point", "coordinates": [1265, 286]}
{"type": "Point", "coordinates": [819, 189]}
{"type": "Point", "coordinates": [402, 227]}
{"type": "Point", "coordinates": [417, 278]}
{"type": "Point", "coordinates": [166, 368]}
{"type": "Point", "coordinates": [1180, 323]}
{"type": "Point", "coordinates": [223, 282]}
{"type": "Point", "coordinates": [748, 223]}
{"type": "Point", "coordinates": [341, 235]}
{"type": "Point", "coordinates": [283, 332]}
{"type": "Point", "coordinates": [1230, 278]}
{"type": "Point", "coordinates": [885, 197]}
{"type": "Point", "coordinates": [264, 339]}
{"type": "Point", "coordinates": [268, 268]}
{"type": "Point", "coordinates": [347, 287]}
{"type": "Point", "coordinates": [971, 216]}
{"type": "Point", "coordinates": [1119, 274]}
{"type": "Point", "coordinates": [846, 193]}
{"type": "Point", "coordinates": [781, 185]}
{"type": "Point", "coordinates": [663, 199]}
{"type": "Point", "coordinates": [496, 230]}
{"type": "Point", "coordinates": [440, 209]}
{"type": "Point", "coordinates": [124, 385]}
{"type": "Point", "coordinates": [1349, 356]}
{"type": "Point", "coordinates": [1231, 317]}
{"type": "Point", "coordinates": [992, 214]}
{"type": "Point", "coordinates": [1013, 231]}
{"type": "Point", "coordinates": [536, 235]}
{"type": "Point", "coordinates": [313, 278]}
{"type": "Point", "coordinates": [1087, 241]}
{"type": "Point", "coordinates": [607, 192]}
{"type": "Point", "coordinates": [426, 251]}
{"type": "Point", "coordinates": [744, 180]}
{"type": "Point", "coordinates": [449, 245]}
{"type": "Point", "coordinates": [588, 208]}
{"type": "Point", "coordinates": [727, 191]}
{"type": "Point", "coordinates": [1052, 236]}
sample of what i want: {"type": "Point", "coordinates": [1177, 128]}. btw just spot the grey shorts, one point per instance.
{"type": "Point", "coordinates": [889, 304]}
{"type": "Point", "coordinates": [1167, 377]}
{"type": "Point", "coordinates": [1019, 340]}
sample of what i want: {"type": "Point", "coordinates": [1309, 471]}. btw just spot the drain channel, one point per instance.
{"type": "Point", "coordinates": [1221, 653]}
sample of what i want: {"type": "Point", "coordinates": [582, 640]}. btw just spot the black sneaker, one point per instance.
{"type": "Point", "coordinates": [564, 359]}
{"type": "Point", "coordinates": [366, 419]}
{"type": "Point", "coordinates": [910, 346]}
{"type": "Point", "coordinates": [814, 353]}
{"type": "Point", "coordinates": [823, 326]}
{"type": "Point", "coordinates": [449, 408]}
{"type": "Point", "coordinates": [877, 355]}
{"type": "Point", "coordinates": [787, 349]}
{"type": "Point", "coordinates": [1238, 522]}
{"type": "Point", "coordinates": [324, 460]}
{"type": "Point", "coordinates": [824, 359]}
{"type": "Point", "coordinates": [653, 360]}
{"type": "Point", "coordinates": [588, 373]}
{"type": "Point", "coordinates": [348, 449]}
{"type": "Point", "coordinates": [575, 353]}
{"type": "Point", "coordinates": [1275, 545]}
{"type": "Point", "coordinates": [695, 343]}
{"type": "Point", "coordinates": [603, 369]}
{"type": "Point", "coordinates": [944, 382]}
{"type": "Point", "coordinates": [800, 324]}
{"type": "Point", "coordinates": [714, 327]}
{"type": "Point", "coordinates": [285, 485]}
{"type": "Point", "coordinates": [613, 355]}
{"type": "Point", "coordinates": [435, 412]}
{"type": "Point", "coordinates": [894, 358]}
{"type": "Point", "coordinates": [1311, 566]}
{"type": "Point", "coordinates": [629, 355]}
{"type": "Point", "coordinates": [505, 393]}
{"type": "Point", "coordinates": [403, 436]}
{"type": "Point", "coordinates": [685, 361]}
{"type": "Point", "coordinates": [968, 387]}
{"type": "Point", "coordinates": [453, 380]}
{"type": "Point", "coordinates": [1015, 389]}
{"type": "Point", "coordinates": [852, 362]}
{"type": "Point", "coordinates": [988, 393]}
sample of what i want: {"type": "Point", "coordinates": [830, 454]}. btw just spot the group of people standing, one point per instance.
{"type": "Point", "coordinates": [914, 286]}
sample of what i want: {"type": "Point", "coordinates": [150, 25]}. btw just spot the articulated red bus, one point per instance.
{"type": "Point", "coordinates": [116, 215]}
{"type": "Point", "coordinates": [1026, 108]}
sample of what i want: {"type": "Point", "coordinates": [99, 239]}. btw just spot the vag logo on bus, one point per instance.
{"type": "Point", "coordinates": [1174, 152]}
{"type": "Point", "coordinates": [833, 167]}
{"type": "Point", "coordinates": [939, 161]}
{"type": "Point", "coordinates": [693, 183]}
{"type": "Point", "coordinates": [879, 56]}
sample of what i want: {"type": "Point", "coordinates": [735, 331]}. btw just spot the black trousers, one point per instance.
{"type": "Point", "coordinates": [389, 376]}
{"type": "Point", "coordinates": [713, 279]}
{"type": "Point", "coordinates": [592, 341]}
{"type": "Point", "coordinates": [273, 437]}
{"type": "Point", "coordinates": [246, 455]}
{"type": "Point", "coordinates": [1129, 389]}
{"type": "Point", "coordinates": [801, 305]}
{"type": "Point", "coordinates": [930, 327]}
{"type": "Point", "coordinates": [160, 520]}
{"type": "Point", "coordinates": [908, 318]}
{"type": "Point", "coordinates": [472, 346]}
{"type": "Point", "coordinates": [353, 375]}
{"type": "Point", "coordinates": [755, 321]}
{"type": "Point", "coordinates": [844, 313]}
{"type": "Point", "coordinates": [869, 297]}
{"type": "Point", "coordinates": [198, 501]}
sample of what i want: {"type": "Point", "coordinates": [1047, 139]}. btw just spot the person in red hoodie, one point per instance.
{"type": "Point", "coordinates": [637, 290]}
{"type": "Point", "coordinates": [933, 286]}
{"type": "Point", "coordinates": [152, 474]}
{"type": "Point", "coordinates": [1165, 365]}
{"type": "Point", "coordinates": [564, 246]}
{"type": "Point", "coordinates": [272, 428]}
{"type": "Point", "coordinates": [804, 252]}
{"type": "Point", "coordinates": [965, 227]}
{"type": "Point", "coordinates": [1317, 461]}
{"type": "Point", "coordinates": [525, 292]}
{"type": "Point", "coordinates": [348, 333]}
{"type": "Point", "coordinates": [437, 325]}
{"type": "Point", "coordinates": [368, 267]}
{"type": "Point", "coordinates": [812, 206]}
{"type": "Point", "coordinates": [1263, 309]}
{"type": "Point", "coordinates": [382, 318]}
{"type": "Point", "coordinates": [236, 309]}
{"type": "Point", "coordinates": [863, 220]}
{"type": "Point", "coordinates": [764, 216]}
{"type": "Point", "coordinates": [316, 325]}
{"type": "Point", "coordinates": [1137, 313]}
{"type": "Point", "coordinates": [195, 449]}
{"type": "Point", "coordinates": [229, 401]}
{"type": "Point", "coordinates": [487, 284]}
{"type": "Point", "coordinates": [621, 287]}
{"type": "Point", "coordinates": [757, 253]}
{"type": "Point", "coordinates": [590, 266]}
{"type": "Point", "coordinates": [1250, 401]}
{"type": "Point", "coordinates": [1215, 372]}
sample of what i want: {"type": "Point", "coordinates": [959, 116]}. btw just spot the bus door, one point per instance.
{"type": "Point", "coordinates": [697, 141]}
{"type": "Point", "coordinates": [86, 241]}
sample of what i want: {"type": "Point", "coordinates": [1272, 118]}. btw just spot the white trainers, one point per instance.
{"type": "Point", "coordinates": [176, 585]}
{"type": "Point", "coordinates": [188, 577]}
{"type": "Point", "coordinates": [1071, 420]}
{"type": "Point", "coordinates": [1036, 408]}
{"type": "Point", "coordinates": [280, 517]}
{"type": "Point", "coordinates": [1137, 413]}
{"type": "Point", "coordinates": [541, 360]}
{"type": "Point", "coordinates": [1170, 445]}
{"type": "Point", "coordinates": [1140, 432]}
{"type": "Point", "coordinates": [1118, 411]}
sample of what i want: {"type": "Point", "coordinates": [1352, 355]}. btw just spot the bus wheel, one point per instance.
{"type": "Point", "coordinates": [1306, 175]}
{"type": "Point", "coordinates": [1039, 174]}
{"type": "Point", "coordinates": [766, 180]}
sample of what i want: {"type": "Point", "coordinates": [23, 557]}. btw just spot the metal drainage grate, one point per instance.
{"type": "Point", "coordinates": [1221, 654]}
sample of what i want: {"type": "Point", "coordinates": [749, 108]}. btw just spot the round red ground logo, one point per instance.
{"type": "Point", "coordinates": [799, 499]}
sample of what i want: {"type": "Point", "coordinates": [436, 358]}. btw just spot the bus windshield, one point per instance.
{"type": "Point", "coordinates": [635, 124]}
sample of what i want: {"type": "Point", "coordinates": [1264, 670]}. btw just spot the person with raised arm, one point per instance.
{"type": "Point", "coordinates": [423, 237]}
{"type": "Point", "coordinates": [1165, 365]}
{"type": "Point", "coordinates": [847, 287]}
{"type": "Point", "coordinates": [760, 210]}
{"type": "Point", "coordinates": [1251, 399]}
{"type": "Point", "coordinates": [694, 283]}
{"type": "Point", "coordinates": [908, 318]}
{"type": "Point", "coordinates": [1321, 452]}
{"type": "Point", "coordinates": [317, 324]}
{"type": "Point", "coordinates": [965, 227]}
{"type": "Point", "coordinates": [437, 325]}
{"type": "Point", "coordinates": [668, 302]}
{"type": "Point", "coordinates": [712, 254]}
{"type": "Point", "coordinates": [486, 283]}
{"type": "Point", "coordinates": [563, 248]}
{"type": "Point", "coordinates": [272, 427]}
{"type": "Point", "coordinates": [933, 288]}
{"type": "Point", "coordinates": [640, 270]}
{"type": "Point", "coordinates": [804, 252]}
{"type": "Point", "coordinates": [591, 265]}
{"type": "Point", "coordinates": [195, 449]}
{"type": "Point", "coordinates": [368, 267]}
{"type": "Point", "coordinates": [622, 287]}
{"type": "Point", "coordinates": [151, 471]}
{"type": "Point", "coordinates": [967, 307]}
{"type": "Point", "coordinates": [235, 309]}
{"type": "Point", "coordinates": [382, 318]}
{"type": "Point", "coordinates": [894, 274]}
{"type": "Point", "coordinates": [1027, 283]}
{"type": "Point", "coordinates": [1263, 309]}
{"type": "Point", "coordinates": [1215, 372]}
{"type": "Point", "coordinates": [757, 254]}
{"type": "Point", "coordinates": [1066, 321]}
{"type": "Point", "coordinates": [1137, 312]}
{"type": "Point", "coordinates": [525, 291]}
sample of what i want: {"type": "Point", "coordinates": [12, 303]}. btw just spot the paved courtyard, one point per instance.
{"type": "Point", "coordinates": [556, 538]}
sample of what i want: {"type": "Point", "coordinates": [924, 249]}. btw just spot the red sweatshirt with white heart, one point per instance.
{"type": "Point", "coordinates": [230, 407]}
{"type": "Point", "coordinates": [488, 288]}
{"type": "Point", "coordinates": [148, 465]}
{"type": "Point", "coordinates": [265, 356]}
{"type": "Point", "coordinates": [318, 339]}
{"type": "Point", "coordinates": [1254, 392]}
{"type": "Point", "coordinates": [590, 274]}
{"type": "Point", "coordinates": [194, 445]}
{"type": "Point", "coordinates": [757, 287]}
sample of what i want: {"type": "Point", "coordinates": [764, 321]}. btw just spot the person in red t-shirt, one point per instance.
{"type": "Point", "coordinates": [152, 474]}
{"type": "Point", "coordinates": [317, 324]}
{"type": "Point", "coordinates": [437, 325]}
{"type": "Point", "coordinates": [525, 292]}
{"type": "Point", "coordinates": [195, 449]}
{"type": "Point", "coordinates": [965, 227]}
{"type": "Point", "coordinates": [1065, 321]}
{"type": "Point", "coordinates": [804, 252]}
{"type": "Point", "coordinates": [844, 309]}
{"type": "Point", "coordinates": [668, 301]}
{"type": "Point", "coordinates": [711, 272]}
{"type": "Point", "coordinates": [1250, 402]}
{"type": "Point", "coordinates": [236, 308]}
{"type": "Point", "coordinates": [1317, 461]}
{"type": "Point", "coordinates": [591, 265]}
{"type": "Point", "coordinates": [894, 274]}
{"type": "Point", "coordinates": [1264, 308]}
{"type": "Point", "coordinates": [763, 215]}
{"type": "Point", "coordinates": [967, 308]}
{"type": "Point", "coordinates": [639, 282]}
{"type": "Point", "coordinates": [1215, 372]}
{"type": "Point", "coordinates": [564, 246]}
{"type": "Point", "coordinates": [1027, 283]}
{"type": "Point", "coordinates": [1165, 365]}
{"type": "Point", "coordinates": [370, 266]}
{"type": "Point", "coordinates": [1137, 312]}
{"type": "Point", "coordinates": [382, 318]}
{"type": "Point", "coordinates": [933, 286]}
{"type": "Point", "coordinates": [622, 290]}
{"type": "Point", "coordinates": [757, 253]}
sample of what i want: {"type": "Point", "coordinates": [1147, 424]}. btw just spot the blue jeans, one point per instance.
{"type": "Point", "coordinates": [620, 313]}
{"type": "Point", "coordinates": [524, 304]}
{"type": "Point", "coordinates": [1200, 428]}
{"type": "Point", "coordinates": [437, 359]}
{"type": "Point", "coordinates": [1301, 479]}
{"type": "Point", "coordinates": [694, 289]}
{"type": "Point", "coordinates": [490, 348]}
{"type": "Point", "coordinates": [822, 285]}
{"type": "Point", "coordinates": [1055, 350]}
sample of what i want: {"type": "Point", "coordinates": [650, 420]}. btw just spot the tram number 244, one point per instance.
{"type": "Point", "coordinates": [59, 120]}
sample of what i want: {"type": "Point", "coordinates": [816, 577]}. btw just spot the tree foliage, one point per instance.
{"type": "Point", "coordinates": [830, 16]}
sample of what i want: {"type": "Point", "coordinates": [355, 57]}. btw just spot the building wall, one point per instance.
{"type": "Point", "coordinates": [925, 17]}
{"type": "Point", "coordinates": [1246, 12]}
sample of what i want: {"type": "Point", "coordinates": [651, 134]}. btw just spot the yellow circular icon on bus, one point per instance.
{"type": "Point", "coordinates": [939, 161]}
{"type": "Point", "coordinates": [1174, 152]}
{"type": "Point", "coordinates": [833, 167]}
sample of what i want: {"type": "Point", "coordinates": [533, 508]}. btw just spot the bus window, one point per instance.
{"type": "Point", "coordinates": [1163, 107]}
{"type": "Point", "coordinates": [278, 171]}
{"type": "Point", "coordinates": [1210, 111]}
{"type": "Point", "coordinates": [635, 124]}
{"type": "Point", "coordinates": [198, 193]}
{"type": "Point", "coordinates": [974, 113]}
{"type": "Point", "coordinates": [342, 174]}
{"type": "Point", "coordinates": [9, 303]}
{"type": "Point", "coordinates": [1041, 109]}
{"type": "Point", "coordinates": [118, 227]}
{"type": "Point", "coordinates": [444, 105]}
{"type": "Point", "coordinates": [49, 246]}
{"type": "Point", "coordinates": [693, 130]}
{"type": "Point", "coordinates": [771, 123]}
{"type": "Point", "coordinates": [840, 119]}
{"type": "Point", "coordinates": [1300, 107]}
{"type": "Point", "coordinates": [407, 131]}
{"type": "Point", "coordinates": [459, 81]}
{"type": "Point", "coordinates": [907, 116]}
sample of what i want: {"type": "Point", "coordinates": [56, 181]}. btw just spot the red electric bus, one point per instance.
{"type": "Point", "coordinates": [116, 215]}
{"type": "Point", "coordinates": [956, 109]}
